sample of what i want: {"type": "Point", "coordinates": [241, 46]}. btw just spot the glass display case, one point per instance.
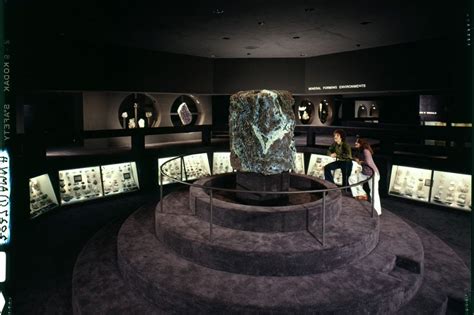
{"type": "Point", "coordinates": [299, 163]}
{"type": "Point", "coordinates": [316, 167]}
{"type": "Point", "coordinates": [172, 168]}
{"type": "Point", "coordinates": [119, 178]}
{"type": "Point", "coordinates": [410, 182]}
{"type": "Point", "coordinates": [80, 184]}
{"type": "Point", "coordinates": [221, 163]}
{"type": "Point", "coordinates": [42, 196]}
{"type": "Point", "coordinates": [196, 166]}
{"type": "Point", "coordinates": [451, 189]}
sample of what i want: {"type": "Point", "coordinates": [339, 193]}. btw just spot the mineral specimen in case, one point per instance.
{"type": "Point", "coordinates": [184, 114]}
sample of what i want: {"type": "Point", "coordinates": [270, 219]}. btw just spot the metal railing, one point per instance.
{"type": "Point", "coordinates": [311, 191]}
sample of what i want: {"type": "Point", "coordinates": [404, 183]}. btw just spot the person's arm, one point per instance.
{"type": "Point", "coordinates": [332, 149]}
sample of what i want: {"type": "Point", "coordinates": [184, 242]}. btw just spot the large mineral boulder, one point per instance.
{"type": "Point", "coordinates": [261, 125]}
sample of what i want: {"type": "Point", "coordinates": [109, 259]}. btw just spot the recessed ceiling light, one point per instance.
{"type": "Point", "coordinates": [218, 11]}
{"type": "Point", "coordinates": [302, 55]}
{"type": "Point", "coordinates": [213, 56]}
{"type": "Point", "coordinates": [365, 22]}
{"type": "Point", "coordinates": [261, 23]}
{"type": "Point", "coordinates": [248, 54]}
{"type": "Point", "coordinates": [296, 37]}
{"type": "Point", "coordinates": [309, 9]}
{"type": "Point", "coordinates": [225, 38]}
{"type": "Point", "coordinates": [358, 45]}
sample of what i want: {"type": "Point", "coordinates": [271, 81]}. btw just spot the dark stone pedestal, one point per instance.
{"type": "Point", "coordinates": [259, 182]}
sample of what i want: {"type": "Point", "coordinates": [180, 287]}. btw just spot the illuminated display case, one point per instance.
{"type": "Point", "coordinates": [80, 184]}
{"type": "Point", "coordinates": [316, 167]}
{"type": "Point", "coordinates": [451, 189]}
{"type": "Point", "coordinates": [42, 196]}
{"type": "Point", "coordinates": [119, 178]}
{"type": "Point", "coordinates": [196, 166]}
{"type": "Point", "coordinates": [221, 163]}
{"type": "Point", "coordinates": [299, 163]}
{"type": "Point", "coordinates": [172, 168]}
{"type": "Point", "coordinates": [410, 182]}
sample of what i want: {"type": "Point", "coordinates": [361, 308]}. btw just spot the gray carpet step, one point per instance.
{"type": "Point", "coordinates": [373, 284]}
{"type": "Point", "coordinates": [97, 285]}
{"type": "Point", "coordinates": [265, 219]}
{"type": "Point", "coordinates": [354, 236]}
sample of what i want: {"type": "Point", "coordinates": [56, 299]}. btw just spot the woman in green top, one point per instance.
{"type": "Point", "coordinates": [342, 152]}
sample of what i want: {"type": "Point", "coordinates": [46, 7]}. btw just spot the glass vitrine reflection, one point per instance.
{"type": "Point", "coordinates": [80, 184]}
{"type": "Point", "coordinates": [410, 182]}
{"type": "Point", "coordinates": [452, 189]}
{"type": "Point", "coordinates": [221, 163]}
{"type": "Point", "coordinates": [172, 169]}
{"type": "Point", "coordinates": [119, 178]}
{"type": "Point", "coordinates": [196, 166]}
{"type": "Point", "coordinates": [42, 196]}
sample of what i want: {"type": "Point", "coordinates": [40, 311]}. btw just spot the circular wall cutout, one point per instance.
{"type": "Point", "coordinates": [137, 108]}
{"type": "Point", "coordinates": [305, 112]}
{"type": "Point", "coordinates": [191, 103]}
{"type": "Point", "coordinates": [323, 111]}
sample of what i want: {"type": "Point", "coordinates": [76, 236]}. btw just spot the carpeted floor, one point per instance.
{"type": "Point", "coordinates": [48, 248]}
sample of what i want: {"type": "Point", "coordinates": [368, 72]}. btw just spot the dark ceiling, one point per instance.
{"type": "Point", "coordinates": [239, 29]}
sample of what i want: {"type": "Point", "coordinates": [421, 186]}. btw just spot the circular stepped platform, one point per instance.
{"type": "Point", "coordinates": [289, 218]}
{"type": "Point", "coordinates": [166, 278]}
{"type": "Point", "coordinates": [272, 254]}
{"type": "Point", "coordinates": [134, 272]}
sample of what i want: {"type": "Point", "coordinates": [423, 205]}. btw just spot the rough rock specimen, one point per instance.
{"type": "Point", "coordinates": [261, 125]}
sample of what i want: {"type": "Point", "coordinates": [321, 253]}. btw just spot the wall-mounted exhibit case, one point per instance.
{"type": "Point", "coordinates": [299, 163]}
{"type": "Point", "coordinates": [366, 109]}
{"type": "Point", "coordinates": [410, 182]}
{"type": "Point", "coordinates": [221, 163]}
{"type": "Point", "coordinates": [196, 166]}
{"type": "Point", "coordinates": [137, 110]}
{"type": "Point", "coordinates": [191, 109]}
{"type": "Point", "coordinates": [173, 169]}
{"type": "Point", "coordinates": [42, 196]}
{"type": "Point", "coordinates": [323, 111]}
{"type": "Point", "coordinates": [119, 178]}
{"type": "Point", "coordinates": [80, 184]}
{"type": "Point", "coordinates": [452, 190]}
{"type": "Point", "coordinates": [305, 112]}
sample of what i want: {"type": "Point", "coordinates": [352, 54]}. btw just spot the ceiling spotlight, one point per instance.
{"type": "Point", "coordinates": [309, 10]}
{"type": "Point", "coordinates": [358, 45]}
{"type": "Point", "coordinates": [248, 54]}
{"type": "Point", "coordinates": [296, 37]}
{"type": "Point", "coordinates": [261, 23]}
{"type": "Point", "coordinates": [225, 38]}
{"type": "Point", "coordinates": [365, 22]}
{"type": "Point", "coordinates": [302, 55]}
{"type": "Point", "coordinates": [218, 11]}
{"type": "Point", "coordinates": [213, 56]}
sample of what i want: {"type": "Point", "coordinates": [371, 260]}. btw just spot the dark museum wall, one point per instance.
{"type": "Point", "coordinates": [412, 66]}
{"type": "Point", "coordinates": [61, 64]}
{"type": "Point", "coordinates": [233, 75]}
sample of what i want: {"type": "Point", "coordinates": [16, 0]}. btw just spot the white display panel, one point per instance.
{"type": "Point", "coordinates": [410, 182]}
{"type": "Point", "coordinates": [172, 168]}
{"type": "Point", "coordinates": [299, 163]}
{"type": "Point", "coordinates": [221, 163]}
{"type": "Point", "coordinates": [452, 189]}
{"type": "Point", "coordinates": [196, 166]}
{"type": "Point", "coordinates": [119, 178]}
{"type": "Point", "coordinates": [80, 184]}
{"type": "Point", "coordinates": [316, 167]}
{"type": "Point", "coordinates": [42, 196]}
